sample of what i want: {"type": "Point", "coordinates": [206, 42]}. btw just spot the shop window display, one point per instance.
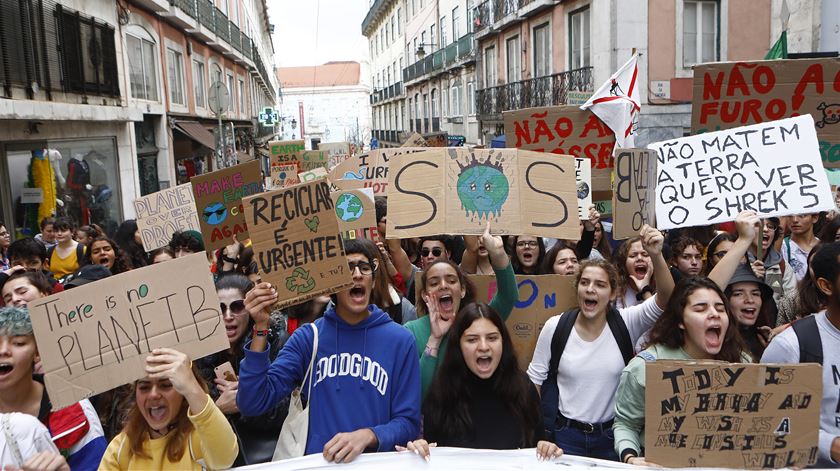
{"type": "Point", "coordinates": [75, 178]}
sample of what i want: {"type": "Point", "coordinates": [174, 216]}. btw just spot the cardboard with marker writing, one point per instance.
{"type": "Point", "coordinates": [97, 336]}
{"type": "Point", "coordinates": [415, 140]}
{"type": "Point", "coordinates": [356, 213]}
{"type": "Point", "coordinates": [540, 298]}
{"type": "Point", "coordinates": [161, 214]}
{"type": "Point", "coordinates": [456, 191]}
{"type": "Point", "coordinates": [284, 175]}
{"type": "Point", "coordinates": [284, 152]}
{"type": "Point", "coordinates": [565, 130]}
{"type": "Point", "coordinates": [583, 179]}
{"type": "Point", "coordinates": [296, 241]}
{"type": "Point", "coordinates": [311, 175]}
{"type": "Point", "coordinates": [732, 415]}
{"type": "Point", "coordinates": [309, 160]}
{"type": "Point", "coordinates": [709, 178]}
{"type": "Point", "coordinates": [730, 94]}
{"type": "Point", "coordinates": [634, 194]}
{"type": "Point", "coordinates": [372, 168]}
{"type": "Point", "coordinates": [218, 200]}
{"type": "Point", "coordinates": [337, 152]}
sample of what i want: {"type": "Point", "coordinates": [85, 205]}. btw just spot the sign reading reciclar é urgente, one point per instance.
{"type": "Point", "coordinates": [296, 241]}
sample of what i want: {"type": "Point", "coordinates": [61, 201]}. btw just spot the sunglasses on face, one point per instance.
{"type": "Point", "coordinates": [237, 307]}
{"type": "Point", "coordinates": [437, 252]}
{"type": "Point", "coordinates": [365, 268]}
{"type": "Point", "coordinates": [217, 212]}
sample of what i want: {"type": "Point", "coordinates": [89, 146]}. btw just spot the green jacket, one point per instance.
{"type": "Point", "coordinates": [506, 295]}
{"type": "Point", "coordinates": [629, 426]}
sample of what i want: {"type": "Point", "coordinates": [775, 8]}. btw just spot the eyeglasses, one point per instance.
{"type": "Point", "coordinates": [365, 268]}
{"type": "Point", "coordinates": [237, 307]}
{"type": "Point", "coordinates": [531, 244]}
{"type": "Point", "coordinates": [437, 252]}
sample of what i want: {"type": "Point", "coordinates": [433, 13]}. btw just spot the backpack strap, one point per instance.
{"type": "Point", "coordinates": [549, 393]}
{"type": "Point", "coordinates": [80, 254]}
{"type": "Point", "coordinates": [810, 343]}
{"type": "Point", "coordinates": [50, 252]}
{"type": "Point", "coordinates": [621, 334]}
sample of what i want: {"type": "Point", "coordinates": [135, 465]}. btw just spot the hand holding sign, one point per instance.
{"type": "Point", "coordinates": [593, 218]}
{"type": "Point", "coordinates": [652, 240]}
{"type": "Point", "coordinates": [495, 248]}
{"type": "Point", "coordinates": [747, 224]}
{"type": "Point", "coordinates": [258, 303]}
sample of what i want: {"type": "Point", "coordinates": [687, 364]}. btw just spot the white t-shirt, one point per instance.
{"type": "Point", "coordinates": [22, 434]}
{"type": "Point", "coordinates": [795, 258]}
{"type": "Point", "coordinates": [784, 348]}
{"type": "Point", "coordinates": [589, 372]}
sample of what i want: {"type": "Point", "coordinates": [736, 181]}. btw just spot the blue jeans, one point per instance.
{"type": "Point", "coordinates": [598, 444]}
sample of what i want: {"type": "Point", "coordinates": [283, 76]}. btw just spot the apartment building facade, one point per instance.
{"type": "Point", "coordinates": [326, 103]}
{"type": "Point", "coordinates": [422, 69]}
{"type": "Point", "coordinates": [119, 92]}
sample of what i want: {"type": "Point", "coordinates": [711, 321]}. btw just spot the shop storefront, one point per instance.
{"type": "Point", "coordinates": [78, 177]}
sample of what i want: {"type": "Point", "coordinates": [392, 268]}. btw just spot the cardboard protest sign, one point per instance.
{"type": "Point", "coordinates": [565, 130]}
{"type": "Point", "coordinates": [540, 297]}
{"type": "Point", "coordinates": [337, 152]}
{"type": "Point", "coordinates": [283, 152]}
{"type": "Point", "coordinates": [96, 337]}
{"type": "Point", "coordinates": [730, 94]}
{"type": "Point", "coordinates": [284, 175]}
{"type": "Point", "coordinates": [438, 139]}
{"type": "Point", "coordinates": [313, 174]}
{"type": "Point", "coordinates": [296, 241]}
{"type": "Point", "coordinates": [583, 179]}
{"type": "Point", "coordinates": [161, 214]}
{"type": "Point", "coordinates": [218, 199]}
{"type": "Point", "coordinates": [456, 191]}
{"type": "Point", "coordinates": [371, 168]}
{"type": "Point", "coordinates": [309, 160]}
{"type": "Point", "coordinates": [634, 193]}
{"type": "Point", "coordinates": [710, 178]}
{"type": "Point", "coordinates": [415, 140]}
{"type": "Point", "coordinates": [732, 415]}
{"type": "Point", "coordinates": [356, 213]}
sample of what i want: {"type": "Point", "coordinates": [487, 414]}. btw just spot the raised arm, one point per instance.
{"type": "Point", "coordinates": [746, 224]}
{"type": "Point", "coordinates": [469, 261]}
{"type": "Point", "coordinates": [652, 241]}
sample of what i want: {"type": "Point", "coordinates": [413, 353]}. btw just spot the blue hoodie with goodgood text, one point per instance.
{"type": "Point", "coordinates": [365, 376]}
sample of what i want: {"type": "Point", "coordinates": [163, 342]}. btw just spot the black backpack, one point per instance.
{"type": "Point", "coordinates": [810, 342]}
{"type": "Point", "coordinates": [549, 393]}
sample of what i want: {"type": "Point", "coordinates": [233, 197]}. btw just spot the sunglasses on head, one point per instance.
{"type": "Point", "coordinates": [237, 307]}
{"type": "Point", "coordinates": [437, 252]}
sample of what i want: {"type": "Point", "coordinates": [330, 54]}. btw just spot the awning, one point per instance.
{"type": "Point", "coordinates": [197, 132]}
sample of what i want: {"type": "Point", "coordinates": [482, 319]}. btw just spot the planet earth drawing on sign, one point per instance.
{"type": "Point", "coordinates": [582, 190]}
{"type": "Point", "coordinates": [482, 188]}
{"type": "Point", "coordinates": [214, 213]}
{"type": "Point", "coordinates": [349, 207]}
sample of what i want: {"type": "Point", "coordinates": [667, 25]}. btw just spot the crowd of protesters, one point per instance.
{"type": "Point", "coordinates": [408, 358]}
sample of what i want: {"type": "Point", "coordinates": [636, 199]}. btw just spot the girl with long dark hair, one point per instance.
{"type": "Point", "coordinates": [480, 398]}
{"type": "Point", "coordinates": [128, 238]}
{"type": "Point", "coordinates": [697, 325]}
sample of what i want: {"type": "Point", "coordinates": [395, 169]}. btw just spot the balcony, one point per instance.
{"type": "Point", "coordinates": [455, 54]}
{"type": "Point", "coordinates": [496, 14]}
{"type": "Point", "coordinates": [210, 25]}
{"type": "Point", "coordinates": [541, 91]}
{"type": "Point", "coordinates": [46, 47]}
{"type": "Point", "coordinates": [374, 14]}
{"type": "Point", "coordinates": [393, 91]}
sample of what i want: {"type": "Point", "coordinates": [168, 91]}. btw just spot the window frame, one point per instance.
{"type": "Point", "coordinates": [549, 66]}
{"type": "Point", "coordinates": [680, 71]}
{"type": "Point", "coordinates": [200, 60]}
{"type": "Point", "coordinates": [586, 59]}
{"type": "Point", "coordinates": [150, 40]}
{"type": "Point", "coordinates": [517, 55]}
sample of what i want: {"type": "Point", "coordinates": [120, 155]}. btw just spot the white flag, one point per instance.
{"type": "Point", "coordinates": [617, 103]}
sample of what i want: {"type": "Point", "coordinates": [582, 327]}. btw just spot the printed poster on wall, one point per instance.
{"type": "Point", "coordinates": [97, 336]}
{"type": "Point", "coordinates": [218, 200]}
{"type": "Point", "coordinates": [297, 243]}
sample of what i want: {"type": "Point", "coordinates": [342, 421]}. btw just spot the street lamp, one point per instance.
{"type": "Point", "coordinates": [421, 52]}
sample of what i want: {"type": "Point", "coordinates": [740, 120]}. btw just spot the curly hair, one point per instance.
{"type": "Point", "coordinates": [121, 262]}
{"type": "Point", "coordinates": [620, 264]}
{"type": "Point", "coordinates": [667, 331]}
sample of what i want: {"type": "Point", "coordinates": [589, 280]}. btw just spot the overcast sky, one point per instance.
{"type": "Point", "coordinates": [312, 32]}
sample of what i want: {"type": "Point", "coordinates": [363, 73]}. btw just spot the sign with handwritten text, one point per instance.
{"type": "Point", "coordinates": [96, 337]}
{"type": "Point", "coordinates": [284, 175]}
{"type": "Point", "coordinates": [732, 415]}
{"type": "Point", "coordinates": [356, 214]}
{"type": "Point", "coordinates": [634, 193]}
{"type": "Point", "coordinates": [337, 152]}
{"type": "Point", "coordinates": [161, 214]}
{"type": "Point", "coordinates": [218, 199]}
{"type": "Point", "coordinates": [284, 152]}
{"type": "Point", "coordinates": [296, 241]}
